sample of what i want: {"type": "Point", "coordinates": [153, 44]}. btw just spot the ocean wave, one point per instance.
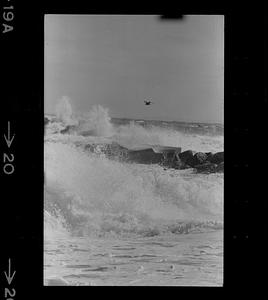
{"type": "Point", "coordinates": [91, 194]}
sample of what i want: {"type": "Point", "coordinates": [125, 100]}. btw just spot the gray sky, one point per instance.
{"type": "Point", "coordinates": [118, 61]}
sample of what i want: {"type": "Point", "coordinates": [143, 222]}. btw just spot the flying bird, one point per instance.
{"type": "Point", "coordinates": [148, 102]}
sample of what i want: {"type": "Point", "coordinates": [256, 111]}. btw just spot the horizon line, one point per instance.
{"type": "Point", "coordinates": [168, 121]}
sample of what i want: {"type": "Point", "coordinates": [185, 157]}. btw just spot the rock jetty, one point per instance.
{"type": "Point", "coordinates": [168, 157]}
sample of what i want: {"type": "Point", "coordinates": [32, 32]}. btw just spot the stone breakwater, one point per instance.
{"type": "Point", "coordinates": [168, 157]}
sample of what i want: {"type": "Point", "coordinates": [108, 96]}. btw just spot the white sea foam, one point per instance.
{"type": "Point", "coordinates": [95, 194]}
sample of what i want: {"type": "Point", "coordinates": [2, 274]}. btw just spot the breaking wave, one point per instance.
{"type": "Point", "coordinates": [96, 122]}
{"type": "Point", "coordinates": [90, 194]}
{"type": "Point", "coordinates": [133, 135]}
{"type": "Point", "coordinates": [64, 111]}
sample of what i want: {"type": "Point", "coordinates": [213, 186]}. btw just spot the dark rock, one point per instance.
{"type": "Point", "coordinates": [168, 158]}
{"type": "Point", "coordinates": [65, 130]}
{"type": "Point", "coordinates": [90, 147]}
{"type": "Point", "coordinates": [217, 158]}
{"type": "Point", "coordinates": [199, 158]}
{"type": "Point", "coordinates": [179, 165]}
{"type": "Point", "coordinates": [116, 151]}
{"type": "Point", "coordinates": [209, 155]}
{"type": "Point", "coordinates": [176, 164]}
{"type": "Point", "coordinates": [220, 167]}
{"type": "Point", "coordinates": [46, 121]}
{"type": "Point", "coordinates": [206, 167]}
{"type": "Point", "coordinates": [169, 154]}
{"type": "Point", "coordinates": [185, 166]}
{"type": "Point", "coordinates": [145, 156]}
{"type": "Point", "coordinates": [186, 154]}
{"type": "Point", "coordinates": [187, 157]}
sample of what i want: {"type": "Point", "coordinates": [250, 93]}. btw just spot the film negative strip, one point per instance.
{"type": "Point", "coordinates": [104, 182]}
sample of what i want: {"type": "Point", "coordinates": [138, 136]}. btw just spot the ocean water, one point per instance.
{"type": "Point", "coordinates": [109, 222]}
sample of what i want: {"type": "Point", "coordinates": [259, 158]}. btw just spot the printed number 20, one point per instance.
{"type": "Point", "coordinates": [8, 167]}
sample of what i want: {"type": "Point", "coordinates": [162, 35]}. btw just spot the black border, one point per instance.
{"type": "Point", "coordinates": [22, 104]}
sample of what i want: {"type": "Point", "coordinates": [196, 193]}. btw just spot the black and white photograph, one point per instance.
{"type": "Point", "coordinates": [133, 150]}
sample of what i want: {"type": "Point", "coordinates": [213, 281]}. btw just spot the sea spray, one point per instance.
{"type": "Point", "coordinates": [96, 122]}
{"type": "Point", "coordinates": [132, 135]}
{"type": "Point", "coordinates": [64, 111]}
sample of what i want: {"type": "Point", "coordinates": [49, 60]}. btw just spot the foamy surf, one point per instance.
{"type": "Point", "coordinates": [94, 191]}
